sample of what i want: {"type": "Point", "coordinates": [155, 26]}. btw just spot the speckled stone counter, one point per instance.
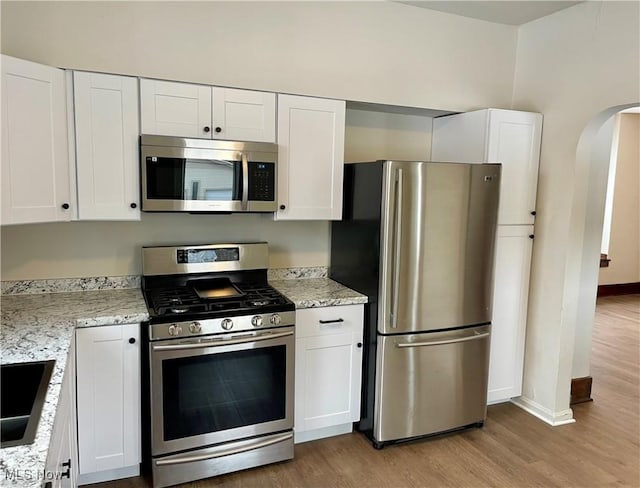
{"type": "Point", "coordinates": [40, 327]}
{"type": "Point", "coordinates": [317, 292]}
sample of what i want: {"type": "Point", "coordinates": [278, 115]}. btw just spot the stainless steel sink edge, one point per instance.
{"type": "Point", "coordinates": [34, 416]}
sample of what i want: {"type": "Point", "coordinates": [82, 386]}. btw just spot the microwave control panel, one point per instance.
{"type": "Point", "coordinates": [262, 182]}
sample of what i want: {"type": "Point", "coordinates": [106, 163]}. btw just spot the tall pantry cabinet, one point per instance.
{"type": "Point", "coordinates": [512, 138]}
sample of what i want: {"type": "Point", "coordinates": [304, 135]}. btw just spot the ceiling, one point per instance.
{"type": "Point", "coordinates": [512, 12]}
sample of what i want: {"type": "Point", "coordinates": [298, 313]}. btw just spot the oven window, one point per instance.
{"type": "Point", "coordinates": [193, 179]}
{"type": "Point", "coordinates": [215, 392]}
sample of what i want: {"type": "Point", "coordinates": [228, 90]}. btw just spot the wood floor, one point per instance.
{"type": "Point", "coordinates": [514, 449]}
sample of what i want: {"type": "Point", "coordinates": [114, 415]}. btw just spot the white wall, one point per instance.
{"type": "Point", "coordinates": [624, 244]}
{"type": "Point", "coordinates": [571, 66]}
{"type": "Point", "coordinates": [611, 183]}
{"type": "Point", "coordinates": [371, 136]}
{"type": "Point", "coordinates": [83, 249]}
{"type": "Point", "coordinates": [380, 52]}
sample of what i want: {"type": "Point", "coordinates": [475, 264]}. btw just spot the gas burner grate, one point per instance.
{"type": "Point", "coordinates": [184, 300]}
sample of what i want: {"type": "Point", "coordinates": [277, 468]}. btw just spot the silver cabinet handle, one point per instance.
{"type": "Point", "coordinates": [396, 250]}
{"type": "Point", "coordinates": [439, 343]}
{"type": "Point", "coordinates": [335, 321]}
{"type": "Point", "coordinates": [245, 182]}
{"type": "Point", "coordinates": [220, 342]}
{"type": "Point", "coordinates": [224, 452]}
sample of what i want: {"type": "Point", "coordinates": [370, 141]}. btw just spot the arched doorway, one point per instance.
{"type": "Point", "coordinates": [592, 172]}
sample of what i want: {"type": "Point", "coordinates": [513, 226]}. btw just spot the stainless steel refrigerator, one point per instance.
{"type": "Point", "coordinates": [418, 239]}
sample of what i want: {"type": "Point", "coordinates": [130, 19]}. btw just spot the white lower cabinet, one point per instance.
{"type": "Point", "coordinates": [328, 371]}
{"type": "Point", "coordinates": [108, 395]}
{"type": "Point", "coordinates": [511, 295]}
{"type": "Point", "coordinates": [62, 461]}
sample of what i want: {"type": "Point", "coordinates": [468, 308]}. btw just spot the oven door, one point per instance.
{"type": "Point", "coordinates": [215, 389]}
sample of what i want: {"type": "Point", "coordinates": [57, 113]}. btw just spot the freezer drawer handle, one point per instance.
{"type": "Point", "coordinates": [439, 343]}
{"type": "Point", "coordinates": [336, 321]}
{"type": "Point", "coordinates": [224, 452]}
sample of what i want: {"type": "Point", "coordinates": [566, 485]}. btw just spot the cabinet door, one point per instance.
{"type": "Point", "coordinates": [59, 464]}
{"type": "Point", "coordinates": [35, 153]}
{"type": "Point", "coordinates": [243, 115]}
{"type": "Point", "coordinates": [328, 366]}
{"type": "Point", "coordinates": [509, 137]}
{"type": "Point", "coordinates": [108, 390]}
{"type": "Point", "coordinates": [311, 158]}
{"type": "Point", "coordinates": [514, 141]}
{"type": "Point", "coordinates": [510, 299]}
{"type": "Point", "coordinates": [62, 462]}
{"type": "Point", "coordinates": [106, 116]}
{"type": "Point", "coordinates": [175, 109]}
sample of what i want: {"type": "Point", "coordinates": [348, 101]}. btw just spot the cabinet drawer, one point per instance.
{"type": "Point", "coordinates": [329, 320]}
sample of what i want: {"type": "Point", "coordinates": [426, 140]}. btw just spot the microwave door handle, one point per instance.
{"type": "Point", "coordinates": [245, 182]}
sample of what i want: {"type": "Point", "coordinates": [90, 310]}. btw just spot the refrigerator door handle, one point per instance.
{"type": "Point", "coordinates": [439, 343]}
{"type": "Point", "coordinates": [397, 245]}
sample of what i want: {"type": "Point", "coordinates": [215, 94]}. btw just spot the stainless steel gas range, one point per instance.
{"type": "Point", "coordinates": [220, 361]}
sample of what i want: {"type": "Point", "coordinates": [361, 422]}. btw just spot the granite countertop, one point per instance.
{"type": "Point", "coordinates": [40, 327]}
{"type": "Point", "coordinates": [317, 292]}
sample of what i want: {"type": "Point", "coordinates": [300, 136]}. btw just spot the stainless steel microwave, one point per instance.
{"type": "Point", "coordinates": [201, 175]}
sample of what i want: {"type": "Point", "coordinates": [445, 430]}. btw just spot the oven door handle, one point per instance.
{"type": "Point", "coordinates": [220, 342]}
{"type": "Point", "coordinates": [190, 458]}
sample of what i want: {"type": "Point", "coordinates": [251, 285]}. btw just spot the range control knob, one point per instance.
{"type": "Point", "coordinates": [256, 321]}
{"type": "Point", "coordinates": [227, 324]}
{"type": "Point", "coordinates": [175, 329]}
{"type": "Point", "coordinates": [195, 327]}
{"type": "Point", "coordinates": [275, 319]}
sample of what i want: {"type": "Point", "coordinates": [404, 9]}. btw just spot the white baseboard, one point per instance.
{"type": "Point", "coordinates": [550, 417]}
{"type": "Point", "coordinates": [312, 435]}
{"type": "Point", "coordinates": [108, 475]}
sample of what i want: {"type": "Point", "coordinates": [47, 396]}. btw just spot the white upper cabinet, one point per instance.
{"type": "Point", "coordinates": [106, 122]}
{"type": "Point", "coordinates": [181, 109]}
{"type": "Point", "coordinates": [175, 109]}
{"type": "Point", "coordinates": [509, 137]}
{"type": "Point", "coordinates": [311, 158]}
{"type": "Point", "coordinates": [243, 115]}
{"type": "Point", "coordinates": [35, 147]}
